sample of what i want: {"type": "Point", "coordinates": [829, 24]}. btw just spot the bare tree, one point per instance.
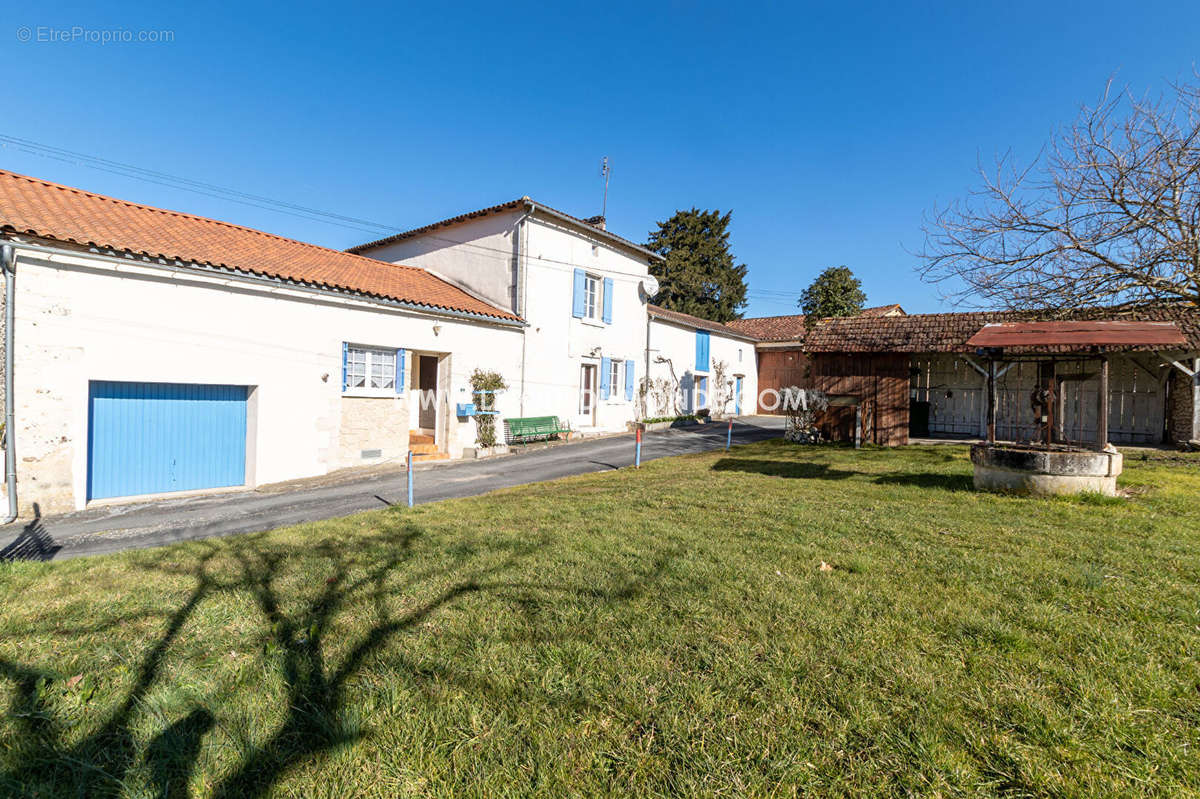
{"type": "Point", "coordinates": [1107, 215]}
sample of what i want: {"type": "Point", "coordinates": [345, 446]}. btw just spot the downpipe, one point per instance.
{"type": "Point", "coordinates": [8, 265]}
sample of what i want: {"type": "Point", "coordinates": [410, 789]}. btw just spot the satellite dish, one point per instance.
{"type": "Point", "coordinates": [649, 286]}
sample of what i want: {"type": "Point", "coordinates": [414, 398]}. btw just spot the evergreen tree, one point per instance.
{"type": "Point", "coordinates": [699, 276]}
{"type": "Point", "coordinates": [835, 292]}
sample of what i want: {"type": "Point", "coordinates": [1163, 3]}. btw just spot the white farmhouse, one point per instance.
{"type": "Point", "coordinates": [580, 288]}
{"type": "Point", "coordinates": [695, 364]}
{"type": "Point", "coordinates": [157, 352]}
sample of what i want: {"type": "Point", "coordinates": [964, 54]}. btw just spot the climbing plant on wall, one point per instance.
{"type": "Point", "coordinates": [483, 384]}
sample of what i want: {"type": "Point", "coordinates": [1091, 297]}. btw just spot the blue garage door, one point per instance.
{"type": "Point", "coordinates": [148, 438]}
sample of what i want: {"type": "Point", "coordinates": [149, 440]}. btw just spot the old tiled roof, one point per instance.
{"type": "Point", "coordinates": [1075, 333]}
{"type": "Point", "coordinates": [595, 225]}
{"type": "Point", "coordinates": [29, 206]}
{"type": "Point", "coordinates": [884, 310]}
{"type": "Point", "coordinates": [688, 320]}
{"type": "Point", "coordinates": [949, 332]}
{"type": "Point", "coordinates": [791, 327]}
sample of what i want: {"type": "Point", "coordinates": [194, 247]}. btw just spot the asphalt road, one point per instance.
{"type": "Point", "coordinates": [117, 527]}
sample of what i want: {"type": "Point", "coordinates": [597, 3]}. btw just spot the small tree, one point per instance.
{"type": "Point", "coordinates": [1108, 215]}
{"type": "Point", "coordinates": [483, 386]}
{"type": "Point", "coordinates": [699, 276]}
{"type": "Point", "coordinates": [835, 292]}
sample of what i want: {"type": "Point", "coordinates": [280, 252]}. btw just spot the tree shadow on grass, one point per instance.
{"type": "Point", "coordinates": [173, 752]}
{"type": "Point", "coordinates": [805, 470]}
{"type": "Point", "coordinates": [367, 577]}
{"type": "Point", "coordinates": [946, 482]}
{"type": "Point", "coordinates": [808, 470]}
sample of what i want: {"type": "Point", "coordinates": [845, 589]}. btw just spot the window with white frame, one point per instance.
{"type": "Point", "coordinates": [616, 387]}
{"type": "Point", "coordinates": [370, 369]}
{"type": "Point", "coordinates": [592, 297]}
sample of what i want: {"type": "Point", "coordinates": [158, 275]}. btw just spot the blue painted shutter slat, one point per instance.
{"type": "Point", "coordinates": [579, 304]}
{"type": "Point", "coordinates": [629, 381]}
{"type": "Point", "coordinates": [345, 366]}
{"type": "Point", "coordinates": [702, 339]}
{"type": "Point", "coordinates": [399, 386]}
{"type": "Point", "coordinates": [608, 301]}
{"type": "Point", "coordinates": [605, 369]}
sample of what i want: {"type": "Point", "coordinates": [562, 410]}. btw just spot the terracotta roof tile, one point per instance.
{"type": "Point", "coordinates": [791, 326]}
{"type": "Point", "coordinates": [949, 332]}
{"type": "Point", "coordinates": [52, 211]}
{"type": "Point", "coordinates": [694, 321]}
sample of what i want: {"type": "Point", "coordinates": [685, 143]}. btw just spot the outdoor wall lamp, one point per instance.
{"type": "Point", "coordinates": [437, 329]}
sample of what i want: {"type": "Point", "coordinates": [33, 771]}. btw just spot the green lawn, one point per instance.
{"type": "Point", "coordinates": [668, 631]}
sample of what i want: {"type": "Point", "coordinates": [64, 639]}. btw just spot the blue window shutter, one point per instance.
{"type": "Point", "coordinates": [629, 381]}
{"type": "Point", "coordinates": [345, 366]}
{"type": "Point", "coordinates": [605, 368]}
{"type": "Point", "coordinates": [579, 305]}
{"type": "Point", "coordinates": [400, 371]}
{"type": "Point", "coordinates": [608, 301]}
{"type": "Point", "coordinates": [701, 351]}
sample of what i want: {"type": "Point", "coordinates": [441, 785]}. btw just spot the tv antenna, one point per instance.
{"type": "Point", "coordinates": [605, 172]}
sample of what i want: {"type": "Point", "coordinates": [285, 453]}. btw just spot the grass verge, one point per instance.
{"type": "Point", "coordinates": [665, 631]}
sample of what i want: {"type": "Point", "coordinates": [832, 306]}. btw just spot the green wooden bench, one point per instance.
{"type": "Point", "coordinates": [527, 428]}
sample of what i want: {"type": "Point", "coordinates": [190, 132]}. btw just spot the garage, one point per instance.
{"type": "Point", "coordinates": [152, 438]}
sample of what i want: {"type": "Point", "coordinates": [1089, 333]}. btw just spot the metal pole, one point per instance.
{"type": "Point", "coordinates": [8, 264]}
{"type": "Point", "coordinates": [729, 435]}
{"type": "Point", "coordinates": [637, 451]}
{"type": "Point", "coordinates": [410, 487]}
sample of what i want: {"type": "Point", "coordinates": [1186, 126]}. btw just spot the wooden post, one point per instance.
{"type": "Point", "coordinates": [858, 420]}
{"type": "Point", "coordinates": [1048, 380]}
{"type": "Point", "coordinates": [1102, 412]}
{"type": "Point", "coordinates": [1060, 410]}
{"type": "Point", "coordinates": [991, 401]}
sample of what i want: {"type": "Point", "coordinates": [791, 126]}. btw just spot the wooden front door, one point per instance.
{"type": "Point", "coordinates": [427, 383]}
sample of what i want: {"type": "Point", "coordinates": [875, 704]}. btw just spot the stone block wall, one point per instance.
{"type": "Point", "coordinates": [1180, 412]}
{"type": "Point", "coordinates": [369, 424]}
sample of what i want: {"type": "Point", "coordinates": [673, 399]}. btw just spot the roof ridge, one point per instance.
{"type": "Point", "coordinates": [467, 216]}
{"type": "Point", "coordinates": [50, 210]}
{"type": "Point", "coordinates": [193, 217]}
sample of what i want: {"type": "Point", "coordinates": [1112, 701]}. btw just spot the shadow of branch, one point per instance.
{"type": "Point", "coordinates": [360, 579]}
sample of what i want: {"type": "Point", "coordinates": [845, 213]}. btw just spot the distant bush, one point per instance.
{"type": "Point", "coordinates": [656, 419]}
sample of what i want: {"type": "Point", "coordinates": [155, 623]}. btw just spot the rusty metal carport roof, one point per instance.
{"type": "Point", "coordinates": [1077, 336]}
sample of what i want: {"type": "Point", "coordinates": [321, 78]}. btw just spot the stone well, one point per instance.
{"type": "Point", "coordinates": [1024, 469]}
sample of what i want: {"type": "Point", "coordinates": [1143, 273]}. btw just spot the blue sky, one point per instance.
{"type": "Point", "coordinates": [828, 129]}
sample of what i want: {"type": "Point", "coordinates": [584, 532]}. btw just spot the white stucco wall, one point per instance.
{"type": "Point", "coordinates": [479, 255]}
{"type": "Point", "coordinates": [673, 357]}
{"type": "Point", "coordinates": [80, 318]}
